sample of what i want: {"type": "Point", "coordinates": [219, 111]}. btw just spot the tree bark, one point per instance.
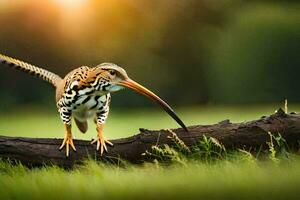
{"type": "Point", "coordinates": [247, 135]}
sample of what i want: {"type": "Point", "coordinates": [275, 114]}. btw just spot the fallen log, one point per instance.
{"type": "Point", "coordinates": [246, 135]}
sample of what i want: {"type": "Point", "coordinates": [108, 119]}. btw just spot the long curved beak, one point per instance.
{"type": "Point", "coordinates": [144, 91]}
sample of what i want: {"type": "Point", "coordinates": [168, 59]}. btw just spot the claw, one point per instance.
{"type": "Point", "coordinates": [101, 144]}
{"type": "Point", "coordinates": [68, 141]}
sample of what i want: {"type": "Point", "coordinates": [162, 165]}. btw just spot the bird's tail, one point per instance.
{"type": "Point", "coordinates": [46, 75]}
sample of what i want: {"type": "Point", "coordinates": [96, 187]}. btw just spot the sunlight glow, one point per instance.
{"type": "Point", "coordinates": [71, 3]}
{"type": "Point", "coordinates": [73, 17]}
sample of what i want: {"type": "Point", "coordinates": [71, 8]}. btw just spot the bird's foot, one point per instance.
{"type": "Point", "coordinates": [68, 141]}
{"type": "Point", "coordinates": [101, 143]}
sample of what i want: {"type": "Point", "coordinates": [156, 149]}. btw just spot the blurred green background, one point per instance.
{"type": "Point", "coordinates": [209, 59]}
{"type": "Point", "coordinates": [190, 52]}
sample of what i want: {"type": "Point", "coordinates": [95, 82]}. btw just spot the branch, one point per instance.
{"type": "Point", "coordinates": [247, 135]}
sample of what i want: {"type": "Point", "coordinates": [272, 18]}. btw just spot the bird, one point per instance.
{"type": "Point", "coordinates": [85, 93]}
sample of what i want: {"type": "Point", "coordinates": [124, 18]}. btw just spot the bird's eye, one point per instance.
{"type": "Point", "coordinates": [112, 72]}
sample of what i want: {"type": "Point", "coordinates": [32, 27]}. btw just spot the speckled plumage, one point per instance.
{"type": "Point", "coordinates": [85, 92]}
{"type": "Point", "coordinates": [84, 95]}
{"type": "Point", "coordinates": [81, 94]}
{"type": "Point", "coordinates": [46, 75]}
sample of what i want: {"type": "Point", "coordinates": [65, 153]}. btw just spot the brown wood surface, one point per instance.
{"type": "Point", "coordinates": [247, 135]}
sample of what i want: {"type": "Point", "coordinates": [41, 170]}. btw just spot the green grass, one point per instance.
{"type": "Point", "coordinates": [239, 176]}
{"type": "Point", "coordinates": [238, 179]}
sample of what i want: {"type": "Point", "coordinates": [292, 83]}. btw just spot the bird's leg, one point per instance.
{"type": "Point", "coordinates": [101, 142]}
{"type": "Point", "coordinates": [100, 120]}
{"type": "Point", "coordinates": [68, 139]}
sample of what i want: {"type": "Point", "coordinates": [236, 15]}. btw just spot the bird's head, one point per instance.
{"type": "Point", "coordinates": [116, 79]}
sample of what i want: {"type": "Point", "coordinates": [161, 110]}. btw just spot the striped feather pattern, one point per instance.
{"type": "Point", "coordinates": [31, 69]}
